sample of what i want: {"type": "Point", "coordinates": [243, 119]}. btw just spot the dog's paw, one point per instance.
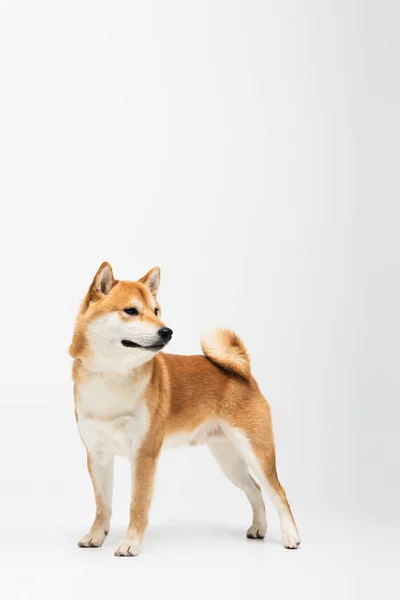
{"type": "Point", "coordinates": [290, 537]}
{"type": "Point", "coordinates": [93, 539]}
{"type": "Point", "coordinates": [256, 532]}
{"type": "Point", "coordinates": [128, 547]}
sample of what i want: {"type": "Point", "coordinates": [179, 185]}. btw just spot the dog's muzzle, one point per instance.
{"type": "Point", "coordinates": [165, 334]}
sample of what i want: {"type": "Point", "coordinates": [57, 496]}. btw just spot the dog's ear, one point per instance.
{"type": "Point", "coordinates": [102, 284]}
{"type": "Point", "coordinates": [152, 280]}
{"type": "Point", "coordinates": [103, 280]}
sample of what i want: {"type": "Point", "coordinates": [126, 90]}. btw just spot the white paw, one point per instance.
{"type": "Point", "coordinates": [93, 539]}
{"type": "Point", "coordinates": [128, 547]}
{"type": "Point", "coordinates": [257, 532]}
{"type": "Point", "coordinates": [290, 537]}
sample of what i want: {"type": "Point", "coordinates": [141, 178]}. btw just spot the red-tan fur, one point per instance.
{"type": "Point", "coordinates": [182, 393]}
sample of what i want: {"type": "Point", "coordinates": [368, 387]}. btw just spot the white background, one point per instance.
{"type": "Point", "coordinates": [251, 150]}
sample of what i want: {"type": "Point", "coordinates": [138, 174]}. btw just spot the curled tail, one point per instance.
{"type": "Point", "coordinates": [227, 350]}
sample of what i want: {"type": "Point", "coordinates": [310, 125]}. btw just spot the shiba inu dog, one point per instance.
{"type": "Point", "coordinates": [133, 400]}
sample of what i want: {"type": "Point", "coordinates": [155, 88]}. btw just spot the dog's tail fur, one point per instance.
{"type": "Point", "coordinates": [227, 350]}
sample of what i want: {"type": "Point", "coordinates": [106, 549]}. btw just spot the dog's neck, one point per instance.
{"type": "Point", "coordinates": [114, 370]}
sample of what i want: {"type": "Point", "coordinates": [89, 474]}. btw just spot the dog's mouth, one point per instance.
{"type": "Point", "coordinates": [154, 347]}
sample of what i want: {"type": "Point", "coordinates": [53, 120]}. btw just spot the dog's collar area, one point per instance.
{"type": "Point", "coordinates": [130, 344]}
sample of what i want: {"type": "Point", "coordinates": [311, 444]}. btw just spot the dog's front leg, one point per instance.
{"type": "Point", "coordinates": [101, 471]}
{"type": "Point", "coordinates": [143, 473]}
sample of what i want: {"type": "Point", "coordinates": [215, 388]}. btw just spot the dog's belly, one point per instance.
{"type": "Point", "coordinates": [208, 431]}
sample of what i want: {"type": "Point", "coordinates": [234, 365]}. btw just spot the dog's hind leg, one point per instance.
{"type": "Point", "coordinates": [235, 469]}
{"type": "Point", "coordinates": [254, 442]}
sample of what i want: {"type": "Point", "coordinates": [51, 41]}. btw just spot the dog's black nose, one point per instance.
{"type": "Point", "coordinates": [165, 333]}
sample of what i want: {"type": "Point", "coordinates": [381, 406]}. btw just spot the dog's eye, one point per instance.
{"type": "Point", "coordinates": [156, 311]}
{"type": "Point", "coordinates": [131, 311]}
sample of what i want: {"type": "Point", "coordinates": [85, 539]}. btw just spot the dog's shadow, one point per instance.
{"type": "Point", "coordinates": [193, 532]}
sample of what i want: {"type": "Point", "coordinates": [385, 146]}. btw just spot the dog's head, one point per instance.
{"type": "Point", "coordinates": [119, 325]}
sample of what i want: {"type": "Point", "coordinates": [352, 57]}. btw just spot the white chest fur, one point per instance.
{"type": "Point", "coordinates": [112, 414]}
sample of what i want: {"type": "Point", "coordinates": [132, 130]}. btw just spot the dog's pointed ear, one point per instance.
{"type": "Point", "coordinates": [103, 280]}
{"type": "Point", "coordinates": [152, 280]}
{"type": "Point", "coordinates": [102, 284]}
